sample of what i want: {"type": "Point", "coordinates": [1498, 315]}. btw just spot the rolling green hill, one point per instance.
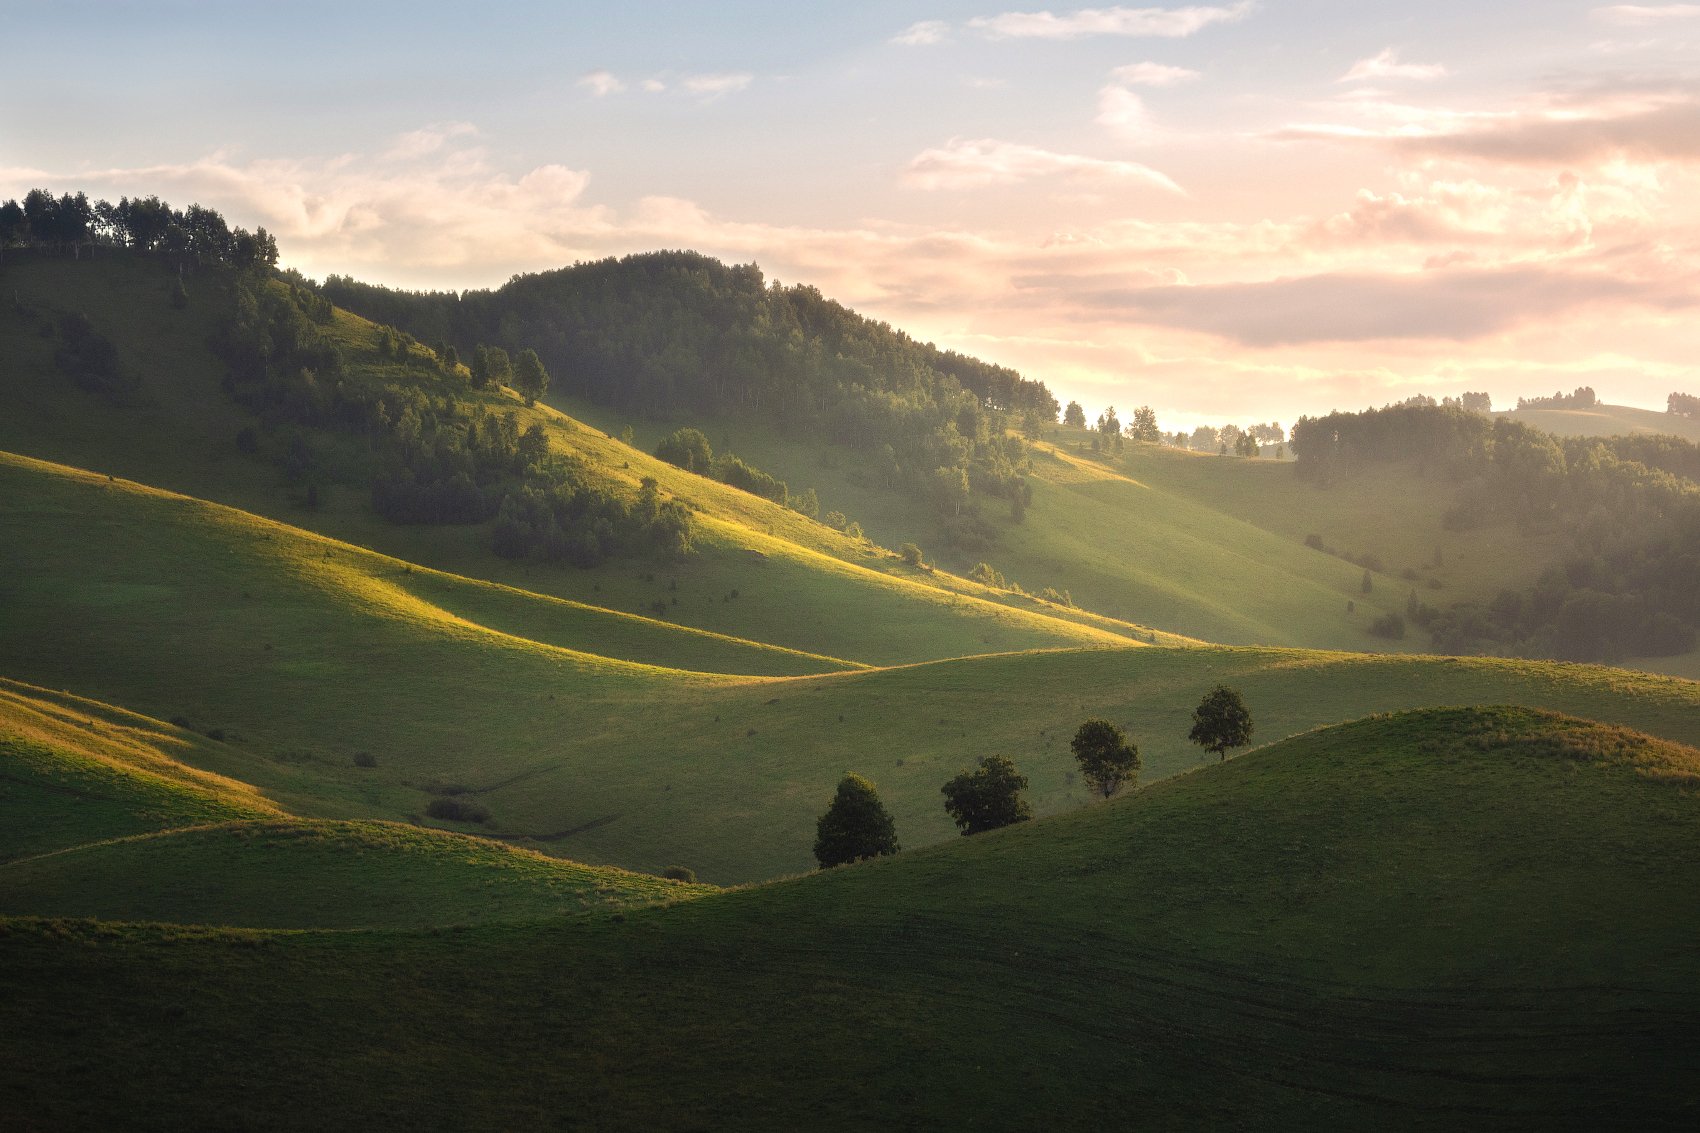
{"type": "Point", "coordinates": [75, 771]}
{"type": "Point", "coordinates": [797, 584]}
{"type": "Point", "coordinates": [1606, 421]}
{"type": "Point", "coordinates": [1430, 920]}
{"type": "Point", "coordinates": [300, 874]}
{"type": "Point", "coordinates": [302, 653]}
{"type": "Point", "coordinates": [1155, 549]}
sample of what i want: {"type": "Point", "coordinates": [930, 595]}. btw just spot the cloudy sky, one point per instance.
{"type": "Point", "coordinates": [1233, 211]}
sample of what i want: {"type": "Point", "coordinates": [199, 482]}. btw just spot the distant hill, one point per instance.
{"type": "Point", "coordinates": [1448, 918]}
{"type": "Point", "coordinates": [1607, 421]}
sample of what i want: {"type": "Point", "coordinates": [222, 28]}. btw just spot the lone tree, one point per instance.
{"type": "Point", "coordinates": [530, 378]}
{"type": "Point", "coordinates": [988, 797]}
{"type": "Point", "coordinates": [1221, 721]}
{"type": "Point", "coordinates": [1106, 759]}
{"type": "Point", "coordinates": [855, 825]}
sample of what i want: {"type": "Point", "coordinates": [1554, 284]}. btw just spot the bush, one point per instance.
{"type": "Point", "coordinates": [365, 759]}
{"type": "Point", "coordinates": [457, 810]}
{"type": "Point", "coordinates": [1390, 626]}
{"type": "Point", "coordinates": [911, 554]}
{"type": "Point", "coordinates": [679, 873]}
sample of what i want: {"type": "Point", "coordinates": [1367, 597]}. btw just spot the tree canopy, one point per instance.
{"type": "Point", "coordinates": [987, 797]}
{"type": "Point", "coordinates": [1221, 721]}
{"type": "Point", "coordinates": [1107, 760]}
{"type": "Point", "coordinates": [856, 825]}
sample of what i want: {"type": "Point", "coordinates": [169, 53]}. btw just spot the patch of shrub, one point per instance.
{"type": "Point", "coordinates": [457, 810]}
{"type": "Point", "coordinates": [1390, 626]}
{"type": "Point", "coordinates": [365, 759]}
{"type": "Point", "coordinates": [679, 873]}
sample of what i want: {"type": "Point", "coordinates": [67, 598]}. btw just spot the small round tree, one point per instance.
{"type": "Point", "coordinates": [1107, 760]}
{"type": "Point", "coordinates": [855, 825]}
{"type": "Point", "coordinates": [988, 797]}
{"type": "Point", "coordinates": [1221, 721]}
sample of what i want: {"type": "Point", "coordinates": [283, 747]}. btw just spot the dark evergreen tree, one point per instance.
{"type": "Point", "coordinates": [855, 826]}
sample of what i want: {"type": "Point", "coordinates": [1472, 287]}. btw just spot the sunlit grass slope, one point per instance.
{"type": "Point", "coordinates": [306, 874]}
{"type": "Point", "coordinates": [1388, 511]}
{"type": "Point", "coordinates": [1444, 919]}
{"type": "Point", "coordinates": [74, 771]}
{"type": "Point", "coordinates": [1131, 547]}
{"type": "Point", "coordinates": [761, 572]}
{"type": "Point", "coordinates": [1607, 421]}
{"type": "Point", "coordinates": [304, 653]}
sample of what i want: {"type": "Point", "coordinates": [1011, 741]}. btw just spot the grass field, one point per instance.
{"type": "Point", "coordinates": [1147, 550]}
{"type": "Point", "coordinates": [1355, 927]}
{"type": "Point", "coordinates": [303, 653]}
{"type": "Point", "coordinates": [1606, 421]}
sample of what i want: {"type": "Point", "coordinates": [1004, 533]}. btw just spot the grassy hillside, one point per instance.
{"type": "Point", "coordinates": [1356, 927]}
{"type": "Point", "coordinates": [1388, 511]}
{"type": "Point", "coordinates": [1606, 421]}
{"type": "Point", "coordinates": [299, 874]}
{"type": "Point", "coordinates": [75, 770]}
{"type": "Point", "coordinates": [303, 653]}
{"type": "Point", "coordinates": [798, 584]}
{"type": "Point", "coordinates": [1143, 548]}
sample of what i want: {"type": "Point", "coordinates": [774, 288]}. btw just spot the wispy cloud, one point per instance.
{"type": "Point", "coordinates": [1386, 65]}
{"type": "Point", "coordinates": [1168, 23]}
{"type": "Point", "coordinates": [1658, 125]}
{"type": "Point", "coordinates": [1450, 305]}
{"type": "Point", "coordinates": [1121, 110]}
{"type": "Point", "coordinates": [601, 83]}
{"type": "Point", "coordinates": [429, 140]}
{"type": "Point", "coordinates": [1153, 75]}
{"type": "Point", "coordinates": [923, 34]}
{"type": "Point", "coordinates": [714, 85]}
{"type": "Point", "coordinates": [1646, 15]}
{"type": "Point", "coordinates": [962, 164]}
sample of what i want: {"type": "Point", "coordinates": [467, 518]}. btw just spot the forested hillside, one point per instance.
{"type": "Point", "coordinates": [1629, 506]}
{"type": "Point", "coordinates": [677, 333]}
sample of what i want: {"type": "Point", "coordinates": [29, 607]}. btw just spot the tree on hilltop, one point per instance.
{"type": "Point", "coordinates": [1074, 415]}
{"type": "Point", "coordinates": [856, 825]}
{"type": "Point", "coordinates": [988, 797]}
{"type": "Point", "coordinates": [1221, 721]}
{"type": "Point", "coordinates": [1107, 760]}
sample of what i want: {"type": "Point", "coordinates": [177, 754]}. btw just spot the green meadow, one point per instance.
{"type": "Point", "coordinates": [308, 819]}
{"type": "Point", "coordinates": [1356, 926]}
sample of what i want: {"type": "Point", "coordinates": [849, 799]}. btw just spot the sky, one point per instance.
{"type": "Point", "coordinates": [1231, 211]}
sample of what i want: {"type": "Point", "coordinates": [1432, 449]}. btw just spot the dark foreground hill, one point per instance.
{"type": "Point", "coordinates": [1447, 918]}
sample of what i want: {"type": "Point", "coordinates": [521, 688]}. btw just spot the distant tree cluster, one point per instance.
{"type": "Point", "coordinates": [427, 458]}
{"type": "Point", "coordinates": [71, 224]}
{"type": "Point", "coordinates": [668, 332]}
{"type": "Point", "coordinates": [689, 449]}
{"type": "Point", "coordinates": [1581, 398]}
{"type": "Point", "coordinates": [1683, 405]}
{"type": "Point", "coordinates": [1472, 402]}
{"type": "Point", "coordinates": [856, 824]}
{"type": "Point", "coordinates": [1629, 506]}
{"type": "Point", "coordinates": [1230, 439]}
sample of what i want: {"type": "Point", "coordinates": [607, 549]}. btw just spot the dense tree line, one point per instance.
{"type": "Point", "coordinates": [689, 449]}
{"type": "Point", "coordinates": [1629, 505]}
{"type": "Point", "coordinates": [426, 458]}
{"type": "Point", "coordinates": [1582, 398]}
{"type": "Point", "coordinates": [71, 224]}
{"type": "Point", "coordinates": [1683, 405]}
{"type": "Point", "coordinates": [668, 333]}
